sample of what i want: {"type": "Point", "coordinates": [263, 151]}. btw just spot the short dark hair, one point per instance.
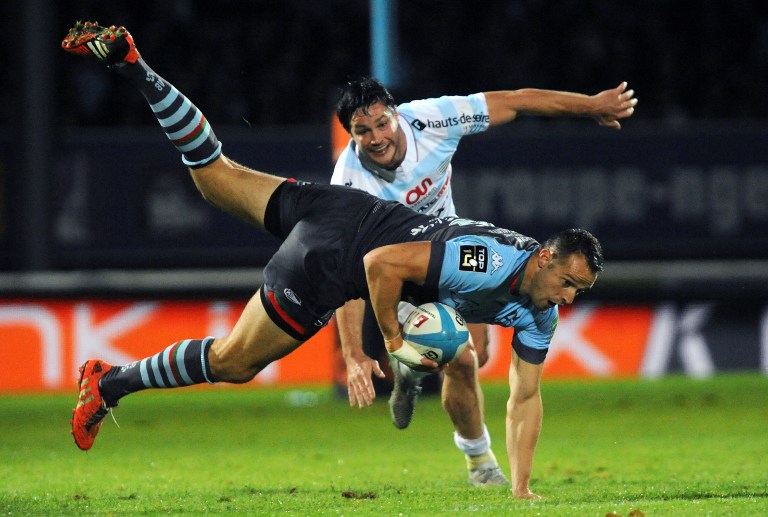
{"type": "Point", "coordinates": [360, 94]}
{"type": "Point", "coordinates": [577, 240]}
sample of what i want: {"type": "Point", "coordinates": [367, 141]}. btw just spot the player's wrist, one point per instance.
{"type": "Point", "coordinates": [407, 355]}
{"type": "Point", "coordinates": [393, 338]}
{"type": "Point", "coordinates": [393, 342]}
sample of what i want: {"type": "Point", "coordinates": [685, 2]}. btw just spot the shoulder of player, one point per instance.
{"type": "Point", "coordinates": [351, 173]}
{"type": "Point", "coordinates": [436, 102]}
{"type": "Point", "coordinates": [536, 321]}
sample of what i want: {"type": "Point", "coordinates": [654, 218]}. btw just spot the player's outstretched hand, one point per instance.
{"type": "Point", "coordinates": [614, 104]}
{"type": "Point", "coordinates": [359, 385]}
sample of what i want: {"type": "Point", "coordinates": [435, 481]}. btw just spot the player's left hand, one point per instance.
{"type": "Point", "coordinates": [614, 104]}
{"type": "Point", "coordinates": [359, 385]}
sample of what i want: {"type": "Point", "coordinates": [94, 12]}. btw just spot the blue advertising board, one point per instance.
{"type": "Point", "coordinates": [123, 199]}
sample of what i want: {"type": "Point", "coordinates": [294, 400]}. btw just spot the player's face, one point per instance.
{"type": "Point", "coordinates": [378, 135]}
{"type": "Point", "coordinates": [560, 280]}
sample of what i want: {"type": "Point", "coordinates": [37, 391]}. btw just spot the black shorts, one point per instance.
{"type": "Point", "coordinates": [326, 232]}
{"type": "Point", "coordinates": [308, 277]}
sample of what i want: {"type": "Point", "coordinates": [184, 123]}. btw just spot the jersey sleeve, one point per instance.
{"type": "Point", "coordinates": [435, 266]}
{"type": "Point", "coordinates": [531, 343]}
{"type": "Point", "coordinates": [465, 264]}
{"type": "Point", "coordinates": [339, 176]}
{"type": "Point", "coordinates": [451, 115]}
{"type": "Point", "coordinates": [461, 266]}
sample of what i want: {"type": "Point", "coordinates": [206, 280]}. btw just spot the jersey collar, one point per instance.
{"type": "Point", "coordinates": [517, 280]}
{"type": "Point", "coordinates": [375, 169]}
{"type": "Point", "coordinates": [518, 277]}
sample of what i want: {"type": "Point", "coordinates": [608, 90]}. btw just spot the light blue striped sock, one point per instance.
{"type": "Point", "coordinates": [182, 364]}
{"type": "Point", "coordinates": [184, 124]}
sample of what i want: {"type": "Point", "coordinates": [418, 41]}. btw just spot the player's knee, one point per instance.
{"type": "Point", "coordinates": [482, 356]}
{"type": "Point", "coordinates": [464, 368]}
{"type": "Point", "coordinates": [480, 339]}
{"type": "Point", "coordinates": [229, 371]}
{"type": "Point", "coordinates": [228, 366]}
{"type": "Point", "coordinates": [201, 181]}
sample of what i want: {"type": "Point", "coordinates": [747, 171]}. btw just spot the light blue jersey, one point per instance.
{"type": "Point", "coordinates": [477, 269]}
{"type": "Point", "coordinates": [480, 278]}
{"type": "Point", "coordinates": [433, 129]}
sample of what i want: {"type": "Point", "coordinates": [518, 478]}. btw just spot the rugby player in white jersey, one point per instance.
{"type": "Point", "coordinates": [403, 153]}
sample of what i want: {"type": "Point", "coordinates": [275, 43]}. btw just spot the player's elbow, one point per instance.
{"type": "Point", "coordinates": [374, 263]}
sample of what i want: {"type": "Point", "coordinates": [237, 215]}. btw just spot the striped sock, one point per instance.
{"type": "Point", "coordinates": [183, 123]}
{"type": "Point", "coordinates": [182, 364]}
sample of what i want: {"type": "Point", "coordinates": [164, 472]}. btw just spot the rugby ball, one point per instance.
{"type": "Point", "coordinates": [437, 332]}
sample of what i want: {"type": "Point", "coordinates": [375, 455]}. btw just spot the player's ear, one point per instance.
{"type": "Point", "coordinates": [544, 257]}
{"type": "Point", "coordinates": [396, 117]}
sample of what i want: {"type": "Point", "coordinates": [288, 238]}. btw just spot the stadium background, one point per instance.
{"type": "Point", "coordinates": [106, 249]}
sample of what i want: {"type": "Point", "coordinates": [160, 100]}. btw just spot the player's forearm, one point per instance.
{"type": "Point", "coordinates": [349, 319]}
{"type": "Point", "coordinates": [505, 106]}
{"type": "Point", "coordinates": [385, 286]}
{"type": "Point", "coordinates": [386, 270]}
{"type": "Point", "coordinates": [523, 428]}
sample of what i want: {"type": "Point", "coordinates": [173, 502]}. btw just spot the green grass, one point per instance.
{"type": "Point", "coordinates": [674, 446]}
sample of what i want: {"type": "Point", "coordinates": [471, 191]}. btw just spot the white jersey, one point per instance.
{"type": "Point", "coordinates": [433, 128]}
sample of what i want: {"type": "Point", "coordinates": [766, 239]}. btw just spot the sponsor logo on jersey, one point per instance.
{"type": "Point", "coordinates": [473, 258]}
{"type": "Point", "coordinates": [292, 296]}
{"type": "Point", "coordinates": [423, 189]}
{"type": "Point", "coordinates": [423, 228]}
{"type": "Point", "coordinates": [418, 124]}
{"type": "Point", "coordinates": [508, 319]}
{"type": "Point", "coordinates": [465, 119]}
{"type": "Point", "coordinates": [496, 261]}
{"type": "Point", "coordinates": [416, 193]}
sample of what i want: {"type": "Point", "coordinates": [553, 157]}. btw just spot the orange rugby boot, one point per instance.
{"type": "Point", "coordinates": [91, 409]}
{"type": "Point", "coordinates": [111, 45]}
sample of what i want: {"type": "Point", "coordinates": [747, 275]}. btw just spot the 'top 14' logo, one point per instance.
{"type": "Point", "coordinates": [473, 258]}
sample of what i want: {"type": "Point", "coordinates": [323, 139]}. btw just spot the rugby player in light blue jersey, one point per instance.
{"type": "Point", "coordinates": [403, 153]}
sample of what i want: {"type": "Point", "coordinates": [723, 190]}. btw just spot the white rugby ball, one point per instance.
{"type": "Point", "coordinates": [437, 332]}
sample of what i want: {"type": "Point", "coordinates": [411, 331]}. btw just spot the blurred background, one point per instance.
{"type": "Point", "coordinates": [93, 199]}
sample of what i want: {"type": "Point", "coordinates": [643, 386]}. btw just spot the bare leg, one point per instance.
{"type": "Point", "coordinates": [236, 189]}
{"type": "Point", "coordinates": [253, 344]}
{"type": "Point", "coordinates": [464, 403]}
{"type": "Point", "coordinates": [462, 397]}
{"type": "Point", "coordinates": [480, 337]}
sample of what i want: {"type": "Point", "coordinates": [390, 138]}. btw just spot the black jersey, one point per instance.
{"type": "Point", "coordinates": [327, 230]}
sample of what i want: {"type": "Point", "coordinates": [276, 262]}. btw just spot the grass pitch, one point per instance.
{"type": "Point", "coordinates": [674, 446]}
